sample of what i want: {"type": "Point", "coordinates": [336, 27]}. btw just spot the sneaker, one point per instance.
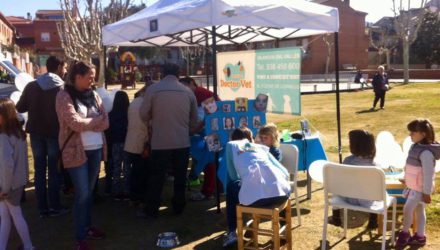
{"type": "Point", "coordinates": [372, 109]}
{"type": "Point", "coordinates": [197, 197]}
{"type": "Point", "coordinates": [118, 197]}
{"type": "Point", "coordinates": [403, 239]}
{"type": "Point", "coordinates": [126, 197]}
{"type": "Point", "coordinates": [230, 239]}
{"type": "Point", "coordinates": [82, 245]}
{"type": "Point", "coordinates": [58, 212]}
{"type": "Point", "coordinates": [44, 214]}
{"type": "Point", "coordinates": [417, 240]}
{"type": "Point", "coordinates": [194, 183]}
{"type": "Point", "coordinates": [95, 234]}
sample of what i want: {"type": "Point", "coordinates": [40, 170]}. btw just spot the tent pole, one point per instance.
{"type": "Point", "coordinates": [338, 106]}
{"type": "Point", "coordinates": [214, 84]}
{"type": "Point", "coordinates": [105, 65]}
{"type": "Point", "coordinates": [214, 58]}
{"type": "Point", "coordinates": [206, 60]}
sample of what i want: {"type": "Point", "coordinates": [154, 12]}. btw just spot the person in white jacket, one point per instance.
{"type": "Point", "coordinates": [14, 173]}
{"type": "Point", "coordinates": [254, 178]}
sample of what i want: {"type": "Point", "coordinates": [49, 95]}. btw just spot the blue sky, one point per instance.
{"type": "Point", "coordinates": [375, 8]}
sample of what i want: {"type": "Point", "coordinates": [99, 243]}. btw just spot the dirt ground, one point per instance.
{"type": "Point", "coordinates": [199, 227]}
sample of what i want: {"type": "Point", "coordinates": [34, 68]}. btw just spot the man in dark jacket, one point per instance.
{"type": "Point", "coordinates": [380, 87]}
{"type": "Point", "coordinates": [38, 99]}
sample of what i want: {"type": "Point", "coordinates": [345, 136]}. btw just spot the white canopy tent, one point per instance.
{"type": "Point", "coordinates": [220, 22]}
{"type": "Point", "coordinates": [186, 22]}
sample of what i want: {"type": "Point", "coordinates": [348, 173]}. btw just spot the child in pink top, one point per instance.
{"type": "Point", "coordinates": [419, 179]}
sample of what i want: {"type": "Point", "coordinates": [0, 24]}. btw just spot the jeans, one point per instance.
{"type": "Point", "coordinates": [379, 96]}
{"type": "Point", "coordinates": [84, 179]}
{"type": "Point", "coordinates": [108, 167]}
{"type": "Point", "coordinates": [232, 190]}
{"type": "Point", "coordinates": [162, 160]}
{"type": "Point", "coordinates": [45, 152]}
{"type": "Point", "coordinates": [138, 176]}
{"type": "Point", "coordinates": [121, 170]}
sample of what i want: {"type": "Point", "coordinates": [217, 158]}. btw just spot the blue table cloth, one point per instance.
{"type": "Point", "coordinates": [310, 149]}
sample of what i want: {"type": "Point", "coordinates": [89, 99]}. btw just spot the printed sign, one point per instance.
{"type": "Point", "coordinates": [273, 73]}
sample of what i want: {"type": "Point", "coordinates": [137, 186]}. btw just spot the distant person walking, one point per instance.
{"type": "Point", "coordinates": [380, 87]}
{"type": "Point", "coordinates": [172, 110]}
{"type": "Point", "coordinates": [38, 99]}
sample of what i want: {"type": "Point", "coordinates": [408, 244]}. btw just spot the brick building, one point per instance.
{"type": "Point", "coordinates": [40, 35]}
{"type": "Point", "coordinates": [353, 42]}
{"type": "Point", "coordinates": [6, 31]}
{"type": "Point", "coordinates": [24, 32]}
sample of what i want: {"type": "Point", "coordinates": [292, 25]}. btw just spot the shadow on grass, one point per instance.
{"type": "Point", "coordinates": [374, 240]}
{"type": "Point", "coordinates": [124, 230]}
{"type": "Point", "coordinates": [367, 111]}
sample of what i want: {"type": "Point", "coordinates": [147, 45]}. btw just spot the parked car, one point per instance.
{"type": "Point", "coordinates": [11, 78]}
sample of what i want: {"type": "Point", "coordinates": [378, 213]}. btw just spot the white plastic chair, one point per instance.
{"type": "Point", "coordinates": [360, 182]}
{"type": "Point", "coordinates": [290, 162]}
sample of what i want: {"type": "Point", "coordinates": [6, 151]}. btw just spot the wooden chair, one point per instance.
{"type": "Point", "coordinates": [359, 182]}
{"type": "Point", "coordinates": [290, 161]}
{"type": "Point", "coordinates": [265, 213]}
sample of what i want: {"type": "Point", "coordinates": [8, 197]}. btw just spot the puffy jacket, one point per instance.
{"type": "Point", "coordinates": [414, 169]}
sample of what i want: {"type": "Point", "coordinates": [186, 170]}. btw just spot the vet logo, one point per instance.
{"type": "Point", "coordinates": [229, 13]}
{"type": "Point", "coordinates": [234, 75]}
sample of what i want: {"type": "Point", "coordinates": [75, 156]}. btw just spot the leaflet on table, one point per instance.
{"type": "Point", "coordinates": [222, 117]}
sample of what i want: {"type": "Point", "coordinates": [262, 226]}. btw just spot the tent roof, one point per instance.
{"type": "Point", "coordinates": [189, 22]}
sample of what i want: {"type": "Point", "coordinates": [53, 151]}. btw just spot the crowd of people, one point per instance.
{"type": "Point", "coordinates": [143, 141]}
{"type": "Point", "coordinates": [71, 134]}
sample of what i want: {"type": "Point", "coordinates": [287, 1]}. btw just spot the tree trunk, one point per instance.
{"type": "Point", "coordinates": [101, 78]}
{"type": "Point", "coordinates": [388, 59]}
{"type": "Point", "coordinates": [327, 66]}
{"type": "Point", "coordinates": [405, 61]}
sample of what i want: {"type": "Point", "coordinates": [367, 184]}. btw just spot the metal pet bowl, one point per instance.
{"type": "Point", "coordinates": [167, 240]}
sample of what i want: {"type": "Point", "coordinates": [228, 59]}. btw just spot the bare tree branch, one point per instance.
{"type": "Point", "coordinates": [81, 34]}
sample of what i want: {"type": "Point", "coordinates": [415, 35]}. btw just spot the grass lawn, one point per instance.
{"type": "Point", "coordinates": [201, 227]}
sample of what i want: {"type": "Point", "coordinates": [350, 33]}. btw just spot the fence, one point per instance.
{"type": "Point", "coordinates": [310, 83]}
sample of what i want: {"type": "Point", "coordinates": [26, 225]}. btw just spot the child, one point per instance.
{"type": "Point", "coordinates": [14, 171]}
{"type": "Point", "coordinates": [254, 178]}
{"type": "Point", "coordinates": [268, 135]}
{"type": "Point", "coordinates": [419, 180]}
{"type": "Point", "coordinates": [136, 152]}
{"type": "Point", "coordinates": [363, 150]}
{"type": "Point", "coordinates": [118, 119]}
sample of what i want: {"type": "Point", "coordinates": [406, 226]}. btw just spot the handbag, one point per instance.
{"type": "Point", "coordinates": [60, 164]}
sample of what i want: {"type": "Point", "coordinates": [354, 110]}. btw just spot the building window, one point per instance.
{"type": "Point", "coordinates": [45, 37]}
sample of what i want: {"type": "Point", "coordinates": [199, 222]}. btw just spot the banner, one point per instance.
{"type": "Point", "coordinates": [273, 72]}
